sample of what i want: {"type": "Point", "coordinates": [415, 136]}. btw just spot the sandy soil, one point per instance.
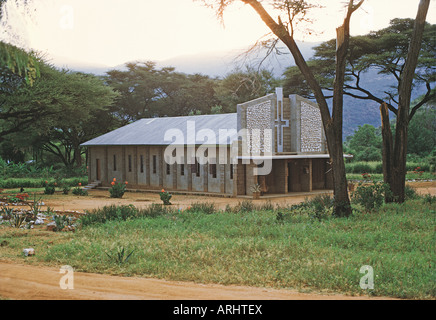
{"type": "Point", "coordinates": [100, 198]}
{"type": "Point", "coordinates": [25, 282]}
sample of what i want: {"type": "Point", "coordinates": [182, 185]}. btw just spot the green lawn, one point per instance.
{"type": "Point", "coordinates": [290, 249]}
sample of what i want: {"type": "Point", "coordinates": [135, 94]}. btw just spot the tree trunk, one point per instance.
{"type": "Point", "coordinates": [405, 90]}
{"type": "Point", "coordinates": [387, 149]}
{"type": "Point", "coordinates": [332, 125]}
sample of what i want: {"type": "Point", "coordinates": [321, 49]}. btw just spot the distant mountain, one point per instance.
{"type": "Point", "coordinates": [80, 66]}
{"type": "Point", "coordinates": [218, 64]}
{"type": "Point", "coordinates": [357, 112]}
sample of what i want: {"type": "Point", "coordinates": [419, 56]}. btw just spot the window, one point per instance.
{"type": "Point", "coordinates": [154, 164]}
{"type": "Point", "coordinates": [115, 162]}
{"type": "Point", "coordinates": [231, 171]}
{"type": "Point", "coordinates": [168, 169]}
{"type": "Point", "coordinates": [130, 163]}
{"type": "Point", "coordinates": [212, 169]}
{"type": "Point", "coordinates": [197, 168]}
{"type": "Point", "coordinates": [182, 169]}
{"type": "Point", "coordinates": [141, 163]}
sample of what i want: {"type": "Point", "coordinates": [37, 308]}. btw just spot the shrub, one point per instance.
{"type": "Point", "coordinates": [244, 206]}
{"type": "Point", "coordinates": [319, 207]}
{"type": "Point", "coordinates": [165, 197]}
{"type": "Point", "coordinates": [78, 191]}
{"type": "Point", "coordinates": [428, 198]}
{"type": "Point", "coordinates": [62, 222]}
{"type": "Point", "coordinates": [118, 189]}
{"type": "Point", "coordinates": [66, 190]}
{"type": "Point", "coordinates": [17, 220]}
{"type": "Point", "coordinates": [121, 256]}
{"type": "Point", "coordinates": [410, 193]}
{"type": "Point", "coordinates": [202, 207]}
{"type": "Point", "coordinates": [154, 210]}
{"type": "Point", "coordinates": [371, 196]}
{"type": "Point", "coordinates": [109, 213]}
{"type": "Point", "coordinates": [49, 187]}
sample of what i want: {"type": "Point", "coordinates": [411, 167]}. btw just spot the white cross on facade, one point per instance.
{"type": "Point", "coordinates": [279, 122]}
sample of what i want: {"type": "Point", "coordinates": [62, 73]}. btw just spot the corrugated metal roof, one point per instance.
{"type": "Point", "coordinates": [162, 131]}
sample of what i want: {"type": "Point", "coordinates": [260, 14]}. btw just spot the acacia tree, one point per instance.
{"type": "Point", "coordinates": [17, 60]}
{"type": "Point", "coordinates": [404, 53]}
{"type": "Point", "coordinates": [146, 91]}
{"type": "Point", "coordinates": [292, 12]}
{"type": "Point", "coordinates": [243, 85]}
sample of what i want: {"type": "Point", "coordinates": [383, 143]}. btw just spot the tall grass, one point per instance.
{"type": "Point", "coordinates": [256, 248]}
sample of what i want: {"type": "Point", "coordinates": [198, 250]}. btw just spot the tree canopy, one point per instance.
{"type": "Point", "coordinates": [384, 52]}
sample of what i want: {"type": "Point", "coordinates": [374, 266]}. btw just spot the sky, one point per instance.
{"type": "Point", "coordinates": [113, 32]}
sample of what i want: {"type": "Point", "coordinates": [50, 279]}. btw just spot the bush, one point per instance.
{"type": "Point", "coordinates": [109, 213]}
{"type": "Point", "coordinates": [66, 190]}
{"type": "Point", "coordinates": [122, 213]}
{"type": "Point", "coordinates": [78, 191]}
{"type": "Point", "coordinates": [165, 197]}
{"type": "Point", "coordinates": [49, 187]}
{"type": "Point", "coordinates": [428, 198]}
{"type": "Point", "coordinates": [244, 206]}
{"type": "Point", "coordinates": [371, 196]}
{"type": "Point", "coordinates": [118, 189]}
{"type": "Point", "coordinates": [410, 193]}
{"type": "Point", "coordinates": [202, 207]}
{"type": "Point", "coordinates": [320, 207]}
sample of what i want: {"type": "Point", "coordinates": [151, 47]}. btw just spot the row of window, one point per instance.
{"type": "Point", "coordinates": [195, 168]}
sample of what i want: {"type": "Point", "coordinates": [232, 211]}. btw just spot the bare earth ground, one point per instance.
{"type": "Point", "coordinates": [26, 282]}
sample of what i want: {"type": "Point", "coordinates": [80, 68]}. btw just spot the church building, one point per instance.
{"type": "Point", "coordinates": [275, 144]}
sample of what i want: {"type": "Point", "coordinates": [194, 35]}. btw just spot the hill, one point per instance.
{"type": "Point", "coordinates": [357, 112]}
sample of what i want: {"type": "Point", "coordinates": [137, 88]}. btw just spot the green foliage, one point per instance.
{"type": "Point", "coordinates": [35, 207]}
{"type": "Point", "coordinates": [255, 249]}
{"type": "Point", "coordinates": [120, 256]}
{"type": "Point", "coordinates": [202, 207]}
{"type": "Point", "coordinates": [118, 189]}
{"type": "Point", "coordinates": [122, 213]}
{"type": "Point", "coordinates": [371, 196]}
{"type": "Point", "coordinates": [319, 207]}
{"type": "Point", "coordinates": [79, 191]}
{"type": "Point", "coordinates": [62, 222]}
{"type": "Point", "coordinates": [11, 183]}
{"type": "Point", "coordinates": [429, 199]}
{"type": "Point", "coordinates": [365, 144]}
{"type": "Point", "coordinates": [244, 85]}
{"type": "Point", "coordinates": [17, 219]}
{"type": "Point", "coordinates": [66, 190]}
{"type": "Point", "coordinates": [19, 61]}
{"type": "Point", "coordinates": [165, 196]}
{"type": "Point", "coordinates": [49, 187]}
{"type": "Point", "coordinates": [244, 206]}
{"type": "Point", "coordinates": [146, 91]}
{"type": "Point", "coordinates": [422, 132]}
{"type": "Point", "coordinates": [377, 166]}
{"type": "Point", "coordinates": [6, 212]}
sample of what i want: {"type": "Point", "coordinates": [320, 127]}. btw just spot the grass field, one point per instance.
{"type": "Point", "coordinates": [279, 247]}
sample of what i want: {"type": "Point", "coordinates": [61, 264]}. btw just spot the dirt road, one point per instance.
{"type": "Point", "coordinates": [25, 282]}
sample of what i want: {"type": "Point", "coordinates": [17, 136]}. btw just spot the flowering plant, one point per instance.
{"type": "Point", "coordinates": [118, 189]}
{"type": "Point", "coordinates": [165, 197]}
{"type": "Point", "coordinates": [366, 176]}
{"type": "Point", "coordinates": [49, 188]}
{"type": "Point", "coordinates": [418, 171]}
{"type": "Point", "coordinates": [79, 191]}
